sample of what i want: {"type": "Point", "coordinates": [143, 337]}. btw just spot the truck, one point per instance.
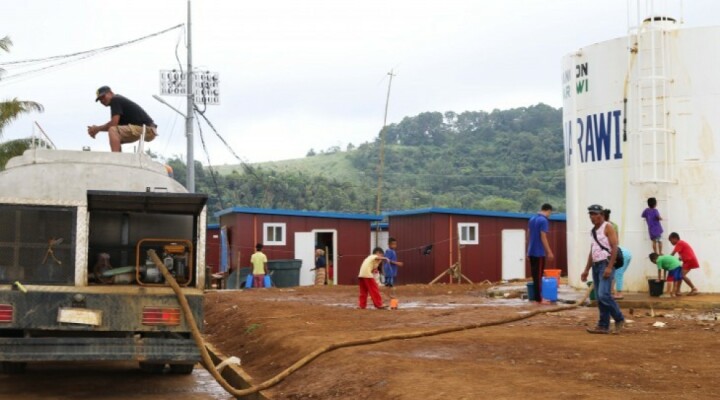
{"type": "Point", "coordinates": [76, 282]}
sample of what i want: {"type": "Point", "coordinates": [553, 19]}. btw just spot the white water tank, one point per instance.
{"type": "Point", "coordinates": [641, 119]}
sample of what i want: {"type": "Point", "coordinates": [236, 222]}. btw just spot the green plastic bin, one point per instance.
{"type": "Point", "coordinates": [285, 273]}
{"type": "Point", "coordinates": [592, 293]}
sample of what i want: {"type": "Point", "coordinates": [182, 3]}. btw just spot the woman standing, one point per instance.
{"type": "Point", "coordinates": [320, 266]}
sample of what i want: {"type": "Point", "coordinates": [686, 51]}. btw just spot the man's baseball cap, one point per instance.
{"type": "Point", "coordinates": [595, 209]}
{"type": "Point", "coordinates": [101, 91]}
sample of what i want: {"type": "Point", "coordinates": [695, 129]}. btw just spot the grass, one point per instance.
{"type": "Point", "coordinates": [333, 166]}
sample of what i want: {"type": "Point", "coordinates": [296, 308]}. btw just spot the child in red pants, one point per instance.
{"type": "Point", "coordinates": [367, 282]}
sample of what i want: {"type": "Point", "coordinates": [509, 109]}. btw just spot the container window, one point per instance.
{"type": "Point", "coordinates": [468, 233]}
{"type": "Point", "coordinates": [37, 244]}
{"type": "Point", "coordinates": [274, 234]}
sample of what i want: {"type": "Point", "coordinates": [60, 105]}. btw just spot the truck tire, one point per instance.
{"type": "Point", "coordinates": [152, 368]}
{"type": "Point", "coordinates": [182, 369]}
{"type": "Point", "coordinates": [11, 367]}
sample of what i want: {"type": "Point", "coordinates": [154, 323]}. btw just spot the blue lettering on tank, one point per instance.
{"type": "Point", "coordinates": [568, 143]}
{"type": "Point", "coordinates": [581, 135]}
{"type": "Point", "coordinates": [602, 136]}
{"type": "Point", "coordinates": [590, 137]}
{"type": "Point", "coordinates": [597, 135]}
{"type": "Point", "coordinates": [618, 152]}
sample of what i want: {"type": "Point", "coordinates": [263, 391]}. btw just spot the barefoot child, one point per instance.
{"type": "Point", "coordinates": [689, 260]}
{"type": "Point", "coordinates": [367, 282]}
{"type": "Point", "coordinates": [669, 266]}
{"type": "Point", "coordinates": [653, 218]}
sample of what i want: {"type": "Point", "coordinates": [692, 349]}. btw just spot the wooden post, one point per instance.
{"type": "Point", "coordinates": [459, 263]}
{"type": "Point", "coordinates": [237, 272]}
{"type": "Point", "coordinates": [327, 266]}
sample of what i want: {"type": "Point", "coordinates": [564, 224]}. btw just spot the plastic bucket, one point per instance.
{"type": "Point", "coordinates": [592, 297]}
{"type": "Point", "coordinates": [553, 273]}
{"type": "Point", "coordinates": [394, 304]}
{"type": "Point", "coordinates": [549, 289]}
{"type": "Point", "coordinates": [655, 287]}
{"type": "Point", "coordinates": [531, 291]}
{"type": "Point", "coordinates": [249, 281]}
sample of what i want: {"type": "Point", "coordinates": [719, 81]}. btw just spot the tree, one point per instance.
{"type": "Point", "coordinates": [14, 148]}
{"type": "Point", "coordinates": [11, 109]}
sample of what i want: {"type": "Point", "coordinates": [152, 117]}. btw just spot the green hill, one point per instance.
{"type": "Point", "coordinates": [509, 160]}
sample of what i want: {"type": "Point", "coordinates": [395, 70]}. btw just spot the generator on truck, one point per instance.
{"type": "Point", "coordinates": [76, 281]}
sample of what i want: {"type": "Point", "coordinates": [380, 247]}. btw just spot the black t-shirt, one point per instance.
{"type": "Point", "coordinates": [129, 112]}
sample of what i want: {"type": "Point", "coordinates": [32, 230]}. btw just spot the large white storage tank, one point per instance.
{"type": "Point", "coordinates": [641, 119]}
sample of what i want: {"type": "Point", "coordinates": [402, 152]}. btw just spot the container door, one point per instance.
{"type": "Point", "coordinates": [513, 254]}
{"type": "Point", "coordinates": [305, 251]}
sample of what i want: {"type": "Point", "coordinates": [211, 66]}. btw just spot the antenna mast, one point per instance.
{"type": "Point", "coordinates": [382, 157]}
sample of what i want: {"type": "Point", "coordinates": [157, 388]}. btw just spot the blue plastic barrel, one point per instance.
{"type": "Point", "coordinates": [549, 289]}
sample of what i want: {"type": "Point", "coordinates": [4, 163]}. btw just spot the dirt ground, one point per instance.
{"type": "Point", "coordinates": [548, 356]}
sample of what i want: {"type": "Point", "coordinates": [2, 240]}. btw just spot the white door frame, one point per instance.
{"type": "Point", "coordinates": [335, 250]}
{"type": "Point", "coordinates": [513, 254]}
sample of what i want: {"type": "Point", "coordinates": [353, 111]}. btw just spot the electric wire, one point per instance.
{"type": "Point", "coordinates": [72, 57]}
{"type": "Point", "coordinates": [210, 167]}
{"type": "Point", "coordinates": [246, 166]}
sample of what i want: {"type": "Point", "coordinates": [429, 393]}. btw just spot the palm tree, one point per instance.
{"type": "Point", "coordinates": [16, 147]}
{"type": "Point", "coordinates": [11, 110]}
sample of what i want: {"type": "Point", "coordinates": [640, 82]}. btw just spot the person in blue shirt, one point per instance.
{"type": "Point", "coordinates": [390, 266]}
{"type": "Point", "coordinates": [539, 248]}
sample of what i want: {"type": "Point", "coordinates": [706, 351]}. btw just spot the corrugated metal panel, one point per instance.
{"type": "Point", "coordinates": [413, 234]}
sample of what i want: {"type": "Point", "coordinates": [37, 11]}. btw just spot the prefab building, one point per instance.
{"type": "Point", "coordinates": [291, 234]}
{"type": "Point", "coordinates": [490, 245]}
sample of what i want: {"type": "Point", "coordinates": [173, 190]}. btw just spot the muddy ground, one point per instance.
{"type": "Point", "coordinates": [548, 356]}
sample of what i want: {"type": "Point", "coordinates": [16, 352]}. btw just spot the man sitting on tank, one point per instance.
{"type": "Point", "coordinates": [126, 120]}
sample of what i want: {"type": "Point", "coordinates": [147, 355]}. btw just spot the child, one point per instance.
{"type": "Point", "coordinates": [653, 218]}
{"type": "Point", "coordinates": [670, 267]}
{"type": "Point", "coordinates": [259, 263]}
{"type": "Point", "coordinates": [689, 260]}
{"type": "Point", "coordinates": [367, 282]}
{"type": "Point", "coordinates": [390, 266]}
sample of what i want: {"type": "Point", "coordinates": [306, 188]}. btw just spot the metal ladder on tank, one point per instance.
{"type": "Point", "coordinates": [654, 151]}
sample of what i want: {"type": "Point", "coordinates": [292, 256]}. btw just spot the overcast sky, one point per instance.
{"type": "Point", "coordinates": [301, 74]}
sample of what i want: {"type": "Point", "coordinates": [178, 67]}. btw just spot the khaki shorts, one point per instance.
{"type": "Point", "coordinates": [131, 133]}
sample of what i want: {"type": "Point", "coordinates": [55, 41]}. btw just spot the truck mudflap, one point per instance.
{"type": "Point", "coordinates": [160, 350]}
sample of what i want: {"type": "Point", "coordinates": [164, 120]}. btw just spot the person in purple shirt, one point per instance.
{"type": "Point", "coordinates": [539, 247]}
{"type": "Point", "coordinates": [653, 218]}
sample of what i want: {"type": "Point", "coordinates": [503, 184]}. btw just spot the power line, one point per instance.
{"type": "Point", "coordinates": [210, 167]}
{"type": "Point", "coordinates": [73, 57]}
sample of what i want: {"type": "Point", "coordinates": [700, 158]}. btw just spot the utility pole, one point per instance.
{"type": "Point", "coordinates": [190, 111]}
{"type": "Point", "coordinates": [382, 158]}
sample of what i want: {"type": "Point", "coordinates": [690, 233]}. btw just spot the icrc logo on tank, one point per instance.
{"type": "Point", "coordinates": [597, 136]}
